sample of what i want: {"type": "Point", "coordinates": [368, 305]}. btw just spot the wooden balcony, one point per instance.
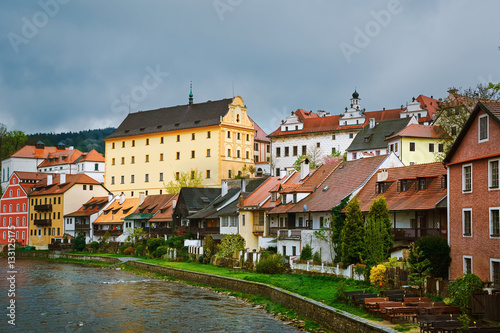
{"type": "Point", "coordinates": [43, 222]}
{"type": "Point", "coordinates": [111, 232]}
{"type": "Point", "coordinates": [258, 229]}
{"type": "Point", "coordinates": [292, 234]}
{"type": "Point", "coordinates": [412, 234]}
{"type": "Point", "coordinates": [43, 208]}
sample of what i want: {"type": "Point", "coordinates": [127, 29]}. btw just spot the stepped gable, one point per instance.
{"type": "Point", "coordinates": [173, 118]}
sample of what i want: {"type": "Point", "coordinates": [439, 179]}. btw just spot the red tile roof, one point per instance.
{"type": "Point", "coordinates": [115, 212]}
{"type": "Point", "coordinates": [41, 188]}
{"type": "Point", "coordinates": [430, 104]}
{"type": "Point", "coordinates": [61, 157]}
{"type": "Point", "coordinates": [411, 199]}
{"type": "Point", "coordinates": [164, 214]}
{"type": "Point", "coordinates": [421, 131]}
{"type": "Point", "coordinates": [153, 203]}
{"type": "Point", "coordinates": [94, 205]}
{"type": "Point", "coordinates": [260, 135]}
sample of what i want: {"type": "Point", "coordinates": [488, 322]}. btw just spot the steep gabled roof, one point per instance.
{"type": "Point", "coordinates": [491, 108]}
{"type": "Point", "coordinates": [33, 152]}
{"type": "Point", "coordinates": [61, 157]}
{"type": "Point", "coordinates": [216, 204]}
{"type": "Point", "coordinates": [197, 198]}
{"type": "Point", "coordinates": [374, 138]}
{"type": "Point", "coordinates": [94, 205]}
{"type": "Point", "coordinates": [412, 198]}
{"type": "Point", "coordinates": [172, 118]}
{"type": "Point", "coordinates": [260, 135]}
{"type": "Point", "coordinates": [115, 212]}
{"type": "Point", "coordinates": [41, 188]}
{"type": "Point", "coordinates": [164, 214]}
{"type": "Point", "coordinates": [92, 156]}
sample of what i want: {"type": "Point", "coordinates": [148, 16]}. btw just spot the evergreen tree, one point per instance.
{"type": "Point", "coordinates": [338, 220]}
{"type": "Point", "coordinates": [353, 243]}
{"type": "Point", "coordinates": [378, 230]}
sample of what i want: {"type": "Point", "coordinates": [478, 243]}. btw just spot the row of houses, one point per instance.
{"type": "Point", "coordinates": [287, 207]}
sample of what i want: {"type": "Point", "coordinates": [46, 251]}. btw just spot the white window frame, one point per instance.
{"type": "Point", "coordinates": [479, 128]}
{"type": "Point", "coordinates": [463, 222]}
{"type": "Point", "coordinates": [463, 178]}
{"type": "Point", "coordinates": [490, 178]}
{"type": "Point", "coordinates": [492, 260]}
{"type": "Point", "coordinates": [471, 264]}
{"type": "Point", "coordinates": [490, 222]}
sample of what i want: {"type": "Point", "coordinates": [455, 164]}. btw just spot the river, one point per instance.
{"type": "Point", "coordinates": [62, 297]}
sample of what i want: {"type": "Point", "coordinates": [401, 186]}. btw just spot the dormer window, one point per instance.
{"type": "Point", "coordinates": [380, 187]}
{"type": "Point", "coordinates": [422, 184]}
{"type": "Point", "coordinates": [274, 196]}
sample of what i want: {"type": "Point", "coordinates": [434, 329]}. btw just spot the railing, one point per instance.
{"type": "Point", "coordinates": [111, 232]}
{"type": "Point", "coordinates": [43, 208]}
{"type": "Point", "coordinates": [43, 222]}
{"type": "Point", "coordinates": [273, 231]}
{"type": "Point", "coordinates": [258, 229]}
{"type": "Point", "coordinates": [209, 231]}
{"type": "Point", "coordinates": [415, 233]}
{"type": "Point", "coordinates": [289, 234]}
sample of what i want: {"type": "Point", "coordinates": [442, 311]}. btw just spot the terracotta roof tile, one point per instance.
{"type": "Point", "coordinates": [41, 188]}
{"type": "Point", "coordinates": [164, 214]}
{"type": "Point", "coordinates": [94, 205]}
{"type": "Point", "coordinates": [92, 156]}
{"type": "Point", "coordinates": [61, 157]}
{"type": "Point", "coordinates": [421, 131]}
{"type": "Point", "coordinates": [33, 152]}
{"type": "Point", "coordinates": [115, 212]}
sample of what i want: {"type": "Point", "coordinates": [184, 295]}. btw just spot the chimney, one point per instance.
{"type": "Point", "coordinates": [141, 198]}
{"type": "Point", "coordinates": [372, 123]}
{"type": "Point", "coordinates": [110, 197]}
{"type": "Point", "coordinates": [122, 198]}
{"type": "Point", "coordinates": [304, 168]}
{"type": "Point", "coordinates": [382, 175]}
{"type": "Point", "coordinates": [223, 188]}
{"type": "Point", "coordinates": [243, 185]}
{"type": "Point", "coordinates": [62, 178]}
{"type": "Point", "coordinates": [49, 179]}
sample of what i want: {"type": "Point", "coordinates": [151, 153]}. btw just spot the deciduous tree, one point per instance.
{"type": "Point", "coordinates": [192, 178]}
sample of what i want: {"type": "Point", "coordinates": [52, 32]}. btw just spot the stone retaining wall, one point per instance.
{"type": "Point", "coordinates": [62, 255]}
{"type": "Point", "coordinates": [332, 319]}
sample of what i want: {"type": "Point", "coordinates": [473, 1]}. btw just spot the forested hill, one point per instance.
{"type": "Point", "coordinates": [84, 141]}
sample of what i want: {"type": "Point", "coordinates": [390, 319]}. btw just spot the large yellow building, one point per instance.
{"type": "Point", "coordinates": [54, 197]}
{"type": "Point", "coordinates": [151, 148]}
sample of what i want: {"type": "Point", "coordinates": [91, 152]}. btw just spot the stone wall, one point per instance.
{"type": "Point", "coordinates": [60, 255]}
{"type": "Point", "coordinates": [332, 319]}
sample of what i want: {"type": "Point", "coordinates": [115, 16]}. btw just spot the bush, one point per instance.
{"type": "Point", "coordinates": [306, 253]}
{"type": "Point", "coordinates": [341, 289]}
{"type": "Point", "coordinates": [272, 249]}
{"type": "Point", "coordinates": [161, 251]}
{"type": "Point", "coordinates": [129, 250]}
{"type": "Point", "coordinates": [154, 243]}
{"type": "Point", "coordinates": [176, 242]}
{"type": "Point", "coordinates": [377, 275]}
{"type": "Point", "coordinates": [94, 246]}
{"type": "Point", "coordinates": [208, 248]}
{"type": "Point", "coordinates": [317, 258]}
{"type": "Point", "coordinates": [461, 289]}
{"type": "Point", "coordinates": [139, 251]}
{"type": "Point", "coordinates": [200, 259]}
{"type": "Point", "coordinates": [80, 242]}
{"type": "Point", "coordinates": [124, 247]}
{"type": "Point", "coordinates": [271, 264]}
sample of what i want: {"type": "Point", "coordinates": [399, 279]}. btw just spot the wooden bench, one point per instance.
{"type": "Point", "coordinates": [359, 299]}
{"type": "Point", "coordinates": [426, 321]}
{"type": "Point", "coordinates": [405, 312]}
{"type": "Point", "coordinates": [381, 309]}
{"type": "Point", "coordinates": [372, 303]}
{"type": "Point", "coordinates": [445, 310]}
{"type": "Point", "coordinates": [416, 299]}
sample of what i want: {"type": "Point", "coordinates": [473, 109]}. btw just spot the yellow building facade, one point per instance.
{"type": "Point", "coordinates": [151, 148]}
{"type": "Point", "coordinates": [54, 198]}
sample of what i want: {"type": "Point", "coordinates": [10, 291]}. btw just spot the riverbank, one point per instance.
{"type": "Point", "coordinates": [332, 319]}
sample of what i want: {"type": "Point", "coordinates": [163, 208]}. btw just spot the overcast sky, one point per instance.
{"type": "Point", "coordinates": [70, 65]}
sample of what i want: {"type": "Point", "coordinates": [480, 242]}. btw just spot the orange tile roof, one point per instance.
{"type": "Point", "coordinates": [153, 203]}
{"type": "Point", "coordinates": [41, 188]}
{"type": "Point", "coordinates": [115, 212]}
{"type": "Point", "coordinates": [411, 199]}
{"type": "Point", "coordinates": [61, 157]}
{"type": "Point", "coordinates": [92, 156]}
{"type": "Point", "coordinates": [421, 131]}
{"type": "Point", "coordinates": [33, 152]}
{"type": "Point", "coordinates": [430, 104]}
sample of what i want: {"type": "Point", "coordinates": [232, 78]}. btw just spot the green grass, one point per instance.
{"type": "Point", "coordinates": [405, 327]}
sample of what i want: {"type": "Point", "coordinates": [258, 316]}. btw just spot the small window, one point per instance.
{"type": "Point", "coordinates": [132, 179]}
{"type": "Point", "coordinates": [84, 187]}
{"type": "Point", "coordinates": [334, 151]}
{"type": "Point", "coordinates": [147, 142]}
{"type": "Point", "coordinates": [193, 154]}
{"type": "Point", "coordinates": [351, 135]}
{"type": "Point", "coordinates": [295, 150]}
{"type": "Point", "coordinates": [208, 152]}
{"type": "Point", "coordinates": [238, 153]}
{"type": "Point", "coordinates": [208, 174]}
{"type": "Point", "coordinates": [495, 222]}
{"type": "Point", "coordinates": [193, 174]}
{"type": "Point", "coordinates": [494, 174]}
{"type": "Point", "coordinates": [467, 178]}
{"type": "Point", "coordinates": [132, 159]}
{"type": "Point", "coordinates": [247, 155]}
{"type": "Point", "coordinates": [287, 149]}
{"type": "Point", "coordinates": [333, 136]}
{"type": "Point", "coordinates": [133, 143]}
{"type": "Point", "coordinates": [228, 152]}
{"type": "Point", "coordinates": [113, 145]}
{"type": "Point", "coordinates": [178, 155]}
{"type": "Point", "coordinates": [318, 144]}
{"type": "Point", "coordinates": [193, 136]}
{"type": "Point", "coordinates": [112, 180]}
{"type": "Point", "coordinates": [412, 146]}
{"type": "Point", "coordinates": [177, 175]}
{"type": "Point", "coordinates": [229, 173]}
{"type": "Point", "coordinates": [178, 138]}
{"type": "Point", "coordinates": [467, 264]}
{"type": "Point", "coordinates": [123, 160]}
{"type": "Point", "coordinates": [431, 147]}
{"type": "Point", "coordinates": [304, 150]}
{"type": "Point", "coordinates": [123, 144]}
{"type": "Point", "coordinates": [162, 140]}
{"type": "Point", "coordinates": [161, 156]}
{"type": "Point", "coordinates": [238, 136]}
{"type": "Point", "coordinates": [278, 151]}
{"type": "Point", "coordinates": [453, 130]}
{"type": "Point", "coordinates": [113, 161]}
{"type": "Point", "coordinates": [248, 137]}
{"type": "Point", "coordinates": [467, 222]}
{"type": "Point", "coordinates": [228, 134]}
{"type": "Point", "coordinates": [161, 177]}
{"type": "Point", "coordinates": [147, 158]}
{"type": "Point", "coordinates": [483, 128]}
{"type": "Point", "coordinates": [146, 178]}
{"type": "Point", "coordinates": [122, 179]}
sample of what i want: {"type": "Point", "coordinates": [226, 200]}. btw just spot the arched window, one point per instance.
{"type": "Point", "coordinates": [5, 208]}
{"type": "Point", "coordinates": [18, 192]}
{"type": "Point", "coordinates": [10, 193]}
{"type": "Point", "coordinates": [17, 207]}
{"type": "Point", "coordinates": [24, 222]}
{"type": "Point", "coordinates": [10, 208]}
{"type": "Point", "coordinates": [4, 222]}
{"type": "Point", "coordinates": [17, 221]}
{"type": "Point", "coordinates": [24, 207]}
{"type": "Point", "coordinates": [10, 221]}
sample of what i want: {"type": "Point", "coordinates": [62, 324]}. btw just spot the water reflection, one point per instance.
{"type": "Point", "coordinates": [57, 297]}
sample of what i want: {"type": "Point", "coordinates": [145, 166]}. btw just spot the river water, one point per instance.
{"type": "Point", "coordinates": [63, 297]}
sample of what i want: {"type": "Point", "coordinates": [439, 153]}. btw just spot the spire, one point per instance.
{"type": "Point", "coordinates": [191, 93]}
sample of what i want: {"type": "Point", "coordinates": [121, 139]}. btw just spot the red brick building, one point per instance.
{"type": "Point", "coordinates": [474, 195]}
{"type": "Point", "coordinates": [14, 206]}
